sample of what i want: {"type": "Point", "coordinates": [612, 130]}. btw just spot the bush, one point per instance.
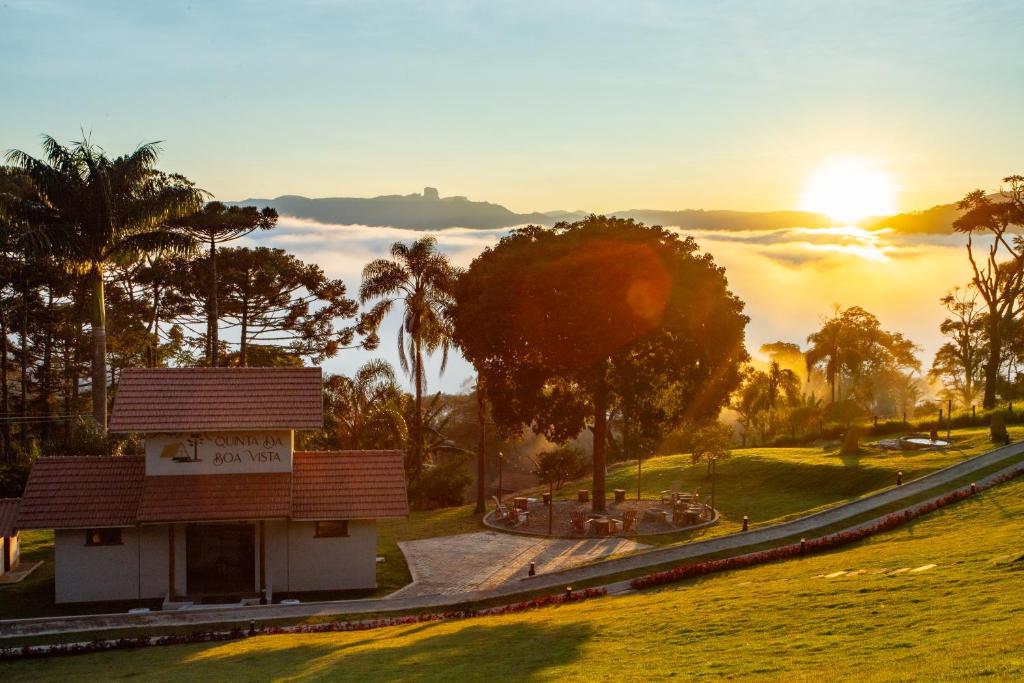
{"type": "Point", "coordinates": [851, 441]}
{"type": "Point", "coordinates": [560, 465]}
{"type": "Point", "coordinates": [440, 486]}
{"type": "Point", "coordinates": [997, 428]}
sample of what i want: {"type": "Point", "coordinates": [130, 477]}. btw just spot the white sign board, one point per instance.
{"type": "Point", "coordinates": [219, 452]}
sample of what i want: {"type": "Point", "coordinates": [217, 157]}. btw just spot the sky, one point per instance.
{"type": "Point", "coordinates": [600, 106]}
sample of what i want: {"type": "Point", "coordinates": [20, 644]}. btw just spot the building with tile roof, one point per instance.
{"type": "Point", "coordinates": [220, 504]}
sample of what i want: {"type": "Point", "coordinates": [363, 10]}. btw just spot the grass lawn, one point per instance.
{"type": "Point", "coordinates": [768, 484]}
{"type": "Point", "coordinates": [776, 484]}
{"type": "Point", "coordinates": [801, 619]}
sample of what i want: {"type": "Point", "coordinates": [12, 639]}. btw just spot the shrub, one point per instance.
{"type": "Point", "coordinates": [997, 428]}
{"type": "Point", "coordinates": [440, 485]}
{"type": "Point", "coordinates": [851, 441]}
{"type": "Point", "coordinates": [560, 465]}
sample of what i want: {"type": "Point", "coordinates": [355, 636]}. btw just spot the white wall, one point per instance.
{"type": "Point", "coordinates": [296, 561]}
{"type": "Point", "coordinates": [277, 555]}
{"type": "Point", "coordinates": [320, 564]}
{"type": "Point", "coordinates": [153, 574]}
{"type": "Point", "coordinates": [90, 573]}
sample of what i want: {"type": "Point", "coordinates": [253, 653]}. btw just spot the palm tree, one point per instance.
{"type": "Point", "coordinates": [366, 409]}
{"type": "Point", "coordinates": [781, 380]}
{"type": "Point", "coordinates": [95, 211]}
{"type": "Point", "coordinates": [826, 351]}
{"type": "Point", "coordinates": [421, 280]}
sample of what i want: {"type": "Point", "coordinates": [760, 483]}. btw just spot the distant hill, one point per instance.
{"type": "Point", "coordinates": [936, 220]}
{"type": "Point", "coordinates": [729, 220]}
{"type": "Point", "coordinates": [430, 211]}
{"type": "Point", "coordinates": [426, 211]}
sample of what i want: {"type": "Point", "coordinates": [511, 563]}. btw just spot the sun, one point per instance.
{"type": "Point", "coordinates": [848, 190]}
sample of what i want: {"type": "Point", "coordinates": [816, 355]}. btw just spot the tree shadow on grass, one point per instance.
{"type": "Point", "coordinates": [468, 650]}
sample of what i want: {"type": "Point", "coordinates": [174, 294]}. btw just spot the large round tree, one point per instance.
{"type": "Point", "coordinates": [553, 319]}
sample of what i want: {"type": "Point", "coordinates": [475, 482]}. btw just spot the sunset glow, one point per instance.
{"type": "Point", "coordinates": [848, 190]}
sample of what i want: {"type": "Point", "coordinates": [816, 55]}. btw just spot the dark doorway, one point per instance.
{"type": "Point", "coordinates": [220, 558]}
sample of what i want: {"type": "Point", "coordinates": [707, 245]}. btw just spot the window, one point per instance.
{"type": "Point", "coordinates": [332, 528]}
{"type": "Point", "coordinates": [103, 537]}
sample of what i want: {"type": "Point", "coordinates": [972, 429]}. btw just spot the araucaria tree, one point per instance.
{"type": "Point", "coordinates": [94, 211]}
{"type": "Point", "coordinates": [548, 315]}
{"type": "Point", "coordinates": [420, 280]}
{"type": "Point", "coordinates": [214, 225]}
{"type": "Point", "coordinates": [998, 280]}
{"type": "Point", "coordinates": [281, 308]}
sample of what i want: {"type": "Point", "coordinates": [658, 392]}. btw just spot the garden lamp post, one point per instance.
{"type": "Point", "coordinates": [500, 456]}
{"type": "Point", "coordinates": [551, 506]}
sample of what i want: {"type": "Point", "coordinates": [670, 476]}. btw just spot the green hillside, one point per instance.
{"type": "Point", "coordinates": [767, 484]}
{"type": "Point", "coordinates": [938, 598]}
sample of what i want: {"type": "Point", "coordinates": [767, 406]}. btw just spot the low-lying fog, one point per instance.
{"type": "Point", "coordinates": [789, 278]}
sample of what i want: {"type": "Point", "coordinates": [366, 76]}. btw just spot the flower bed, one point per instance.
{"type": "Point", "coordinates": [29, 651]}
{"type": "Point", "coordinates": [887, 523]}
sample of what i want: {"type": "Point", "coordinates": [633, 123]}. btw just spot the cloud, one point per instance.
{"type": "Point", "coordinates": [788, 277]}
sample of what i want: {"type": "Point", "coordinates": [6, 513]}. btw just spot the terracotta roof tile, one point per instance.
{"type": "Point", "coordinates": [81, 492]}
{"type": "Point", "coordinates": [215, 497]}
{"type": "Point", "coordinates": [348, 485]}
{"type": "Point", "coordinates": [85, 492]}
{"type": "Point", "coordinates": [8, 512]}
{"type": "Point", "coordinates": [201, 399]}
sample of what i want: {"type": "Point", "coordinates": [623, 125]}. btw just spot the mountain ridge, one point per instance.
{"type": "Point", "coordinates": [429, 211]}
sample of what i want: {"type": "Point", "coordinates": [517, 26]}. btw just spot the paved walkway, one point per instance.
{"type": "Point", "coordinates": [453, 565]}
{"type": "Point", "coordinates": [556, 580]}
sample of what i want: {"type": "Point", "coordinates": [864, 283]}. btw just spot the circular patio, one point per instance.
{"type": "Point", "coordinates": [572, 519]}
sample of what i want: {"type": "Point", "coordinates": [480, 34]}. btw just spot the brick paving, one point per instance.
{"type": "Point", "coordinates": [451, 565]}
